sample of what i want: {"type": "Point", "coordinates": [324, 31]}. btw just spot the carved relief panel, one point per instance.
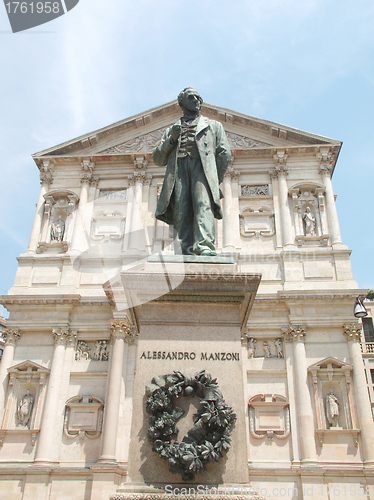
{"type": "Point", "coordinates": [264, 348]}
{"type": "Point", "coordinates": [96, 351]}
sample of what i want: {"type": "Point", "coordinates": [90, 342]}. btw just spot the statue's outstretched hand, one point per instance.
{"type": "Point", "coordinates": [175, 131]}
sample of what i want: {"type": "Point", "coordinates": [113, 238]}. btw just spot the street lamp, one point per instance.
{"type": "Point", "coordinates": [359, 310]}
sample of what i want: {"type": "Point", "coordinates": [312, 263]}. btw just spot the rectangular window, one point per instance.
{"type": "Point", "coordinates": [368, 329]}
{"type": "Point", "coordinates": [372, 375]}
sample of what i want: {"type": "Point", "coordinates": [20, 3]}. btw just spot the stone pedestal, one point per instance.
{"type": "Point", "coordinates": [195, 326]}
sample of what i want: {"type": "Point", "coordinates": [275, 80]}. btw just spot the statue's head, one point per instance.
{"type": "Point", "coordinates": [190, 101]}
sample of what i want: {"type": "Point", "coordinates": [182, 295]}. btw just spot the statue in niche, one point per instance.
{"type": "Point", "coordinates": [24, 408]}
{"type": "Point", "coordinates": [267, 350]}
{"type": "Point", "coordinates": [279, 348]}
{"type": "Point", "coordinates": [251, 347]}
{"type": "Point", "coordinates": [310, 222]}
{"type": "Point", "coordinates": [332, 408]}
{"type": "Point", "coordinates": [197, 154]}
{"type": "Point", "coordinates": [57, 230]}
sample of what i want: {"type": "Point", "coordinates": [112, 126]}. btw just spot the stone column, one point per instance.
{"type": "Point", "coordinates": [45, 180]}
{"type": "Point", "coordinates": [79, 227]}
{"type": "Point", "coordinates": [332, 214]}
{"type": "Point", "coordinates": [304, 410]}
{"type": "Point", "coordinates": [11, 337]}
{"type": "Point", "coordinates": [135, 237]}
{"type": "Point", "coordinates": [364, 414]}
{"type": "Point", "coordinates": [228, 226]}
{"type": "Point", "coordinates": [277, 215]}
{"type": "Point", "coordinates": [46, 439]}
{"type": "Point", "coordinates": [280, 159]}
{"type": "Point", "coordinates": [121, 334]}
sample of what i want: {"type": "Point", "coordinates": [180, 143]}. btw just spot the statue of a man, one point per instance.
{"type": "Point", "coordinates": [197, 154]}
{"type": "Point", "coordinates": [24, 408]}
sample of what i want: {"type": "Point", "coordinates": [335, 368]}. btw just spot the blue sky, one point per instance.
{"type": "Point", "coordinates": [307, 64]}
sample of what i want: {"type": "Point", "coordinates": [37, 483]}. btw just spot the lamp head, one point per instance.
{"type": "Point", "coordinates": [359, 310]}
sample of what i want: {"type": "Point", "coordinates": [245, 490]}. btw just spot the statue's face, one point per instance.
{"type": "Point", "coordinates": [192, 101]}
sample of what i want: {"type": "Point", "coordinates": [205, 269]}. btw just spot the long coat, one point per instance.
{"type": "Point", "coordinates": [215, 157]}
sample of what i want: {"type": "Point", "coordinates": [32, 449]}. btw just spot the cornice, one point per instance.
{"type": "Point", "coordinates": [130, 157]}
{"type": "Point", "coordinates": [73, 299]}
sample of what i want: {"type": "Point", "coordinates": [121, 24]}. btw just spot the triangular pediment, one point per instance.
{"type": "Point", "coordinates": [28, 366]}
{"type": "Point", "coordinates": [141, 133]}
{"type": "Point", "coordinates": [330, 361]}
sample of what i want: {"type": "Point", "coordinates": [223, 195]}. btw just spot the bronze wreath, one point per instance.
{"type": "Point", "coordinates": [209, 437]}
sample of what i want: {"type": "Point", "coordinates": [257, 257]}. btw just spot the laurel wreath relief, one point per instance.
{"type": "Point", "coordinates": [210, 435]}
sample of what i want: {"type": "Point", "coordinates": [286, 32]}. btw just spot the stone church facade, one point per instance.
{"type": "Point", "coordinates": [73, 346]}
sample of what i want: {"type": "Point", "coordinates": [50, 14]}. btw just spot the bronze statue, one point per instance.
{"type": "Point", "coordinates": [197, 154]}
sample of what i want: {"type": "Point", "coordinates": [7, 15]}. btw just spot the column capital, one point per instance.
{"type": "Point", "coordinates": [63, 336]}
{"type": "Point", "coordinates": [293, 333]}
{"type": "Point", "coordinates": [352, 331]}
{"type": "Point", "coordinates": [11, 335]}
{"type": "Point", "coordinates": [139, 176]}
{"type": "Point", "coordinates": [87, 168]}
{"type": "Point", "coordinates": [231, 174]}
{"type": "Point", "coordinates": [46, 176]}
{"type": "Point", "coordinates": [123, 329]}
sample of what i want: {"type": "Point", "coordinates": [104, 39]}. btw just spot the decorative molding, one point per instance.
{"type": "Point", "coordinates": [353, 331]}
{"type": "Point", "coordinates": [269, 416]}
{"type": "Point", "coordinates": [83, 417]}
{"type": "Point", "coordinates": [96, 351]}
{"type": "Point", "coordinates": [293, 333]}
